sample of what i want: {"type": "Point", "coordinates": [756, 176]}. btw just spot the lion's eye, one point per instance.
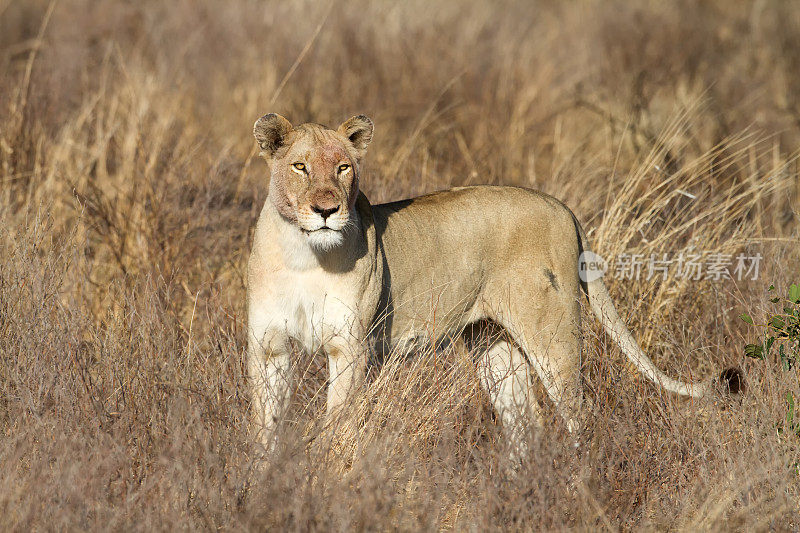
{"type": "Point", "coordinates": [299, 166]}
{"type": "Point", "coordinates": [343, 167]}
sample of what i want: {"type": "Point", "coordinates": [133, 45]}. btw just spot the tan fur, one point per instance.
{"type": "Point", "coordinates": [396, 275]}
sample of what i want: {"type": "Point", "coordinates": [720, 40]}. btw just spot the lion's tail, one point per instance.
{"type": "Point", "coordinates": [603, 306]}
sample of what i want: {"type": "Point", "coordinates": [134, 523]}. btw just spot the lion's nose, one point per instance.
{"type": "Point", "coordinates": [324, 212]}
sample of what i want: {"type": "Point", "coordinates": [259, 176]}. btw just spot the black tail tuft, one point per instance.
{"type": "Point", "coordinates": [732, 381]}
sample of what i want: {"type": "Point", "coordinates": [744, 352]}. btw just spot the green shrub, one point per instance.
{"type": "Point", "coordinates": [783, 329]}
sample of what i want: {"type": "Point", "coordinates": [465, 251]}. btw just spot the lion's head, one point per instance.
{"type": "Point", "coordinates": [315, 171]}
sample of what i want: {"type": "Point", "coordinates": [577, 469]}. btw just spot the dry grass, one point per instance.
{"type": "Point", "coordinates": [128, 186]}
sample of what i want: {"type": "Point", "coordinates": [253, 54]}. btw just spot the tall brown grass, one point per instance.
{"type": "Point", "coordinates": [129, 184]}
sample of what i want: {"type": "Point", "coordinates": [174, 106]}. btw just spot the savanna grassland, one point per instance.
{"type": "Point", "coordinates": [130, 183]}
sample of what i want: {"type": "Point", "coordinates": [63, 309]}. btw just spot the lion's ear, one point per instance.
{"type": "Point", "coordinates": [270, 131]}
{"type": "Point", "coordinates": [359, 130]}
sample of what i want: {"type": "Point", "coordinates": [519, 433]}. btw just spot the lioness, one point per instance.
{"type": "Point", "coordinates": [328, 270]}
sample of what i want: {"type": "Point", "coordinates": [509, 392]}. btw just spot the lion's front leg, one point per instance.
{"type": "Point", "coordinates": [347, 364]}
{"type": "Point", "coordinates": [270, 374]}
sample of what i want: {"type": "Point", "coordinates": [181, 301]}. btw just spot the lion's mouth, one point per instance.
{"type": "Point", "coordinates": [322, 229]}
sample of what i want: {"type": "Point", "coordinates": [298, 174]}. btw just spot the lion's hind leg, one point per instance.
{"type": "Point", "coordinates": [543, 317]}
{"type": "Point", "coordinates": [554, 352]}
{"type": "Point", "coordinates": [505, 375]}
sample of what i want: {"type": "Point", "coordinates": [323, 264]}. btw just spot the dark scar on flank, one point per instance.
{"type": "Point", "coordinates": [551, 277]}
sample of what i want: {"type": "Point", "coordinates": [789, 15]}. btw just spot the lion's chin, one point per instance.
{"type": "Point", "coordinates": [324, 239]}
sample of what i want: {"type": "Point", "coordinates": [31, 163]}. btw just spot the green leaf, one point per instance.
{"type": "Point", "coordinates": [746, 318]}
{"type": "Point", "coordinates": [768, 344]}
{"type": "Point", "coordinates": [775, 300]}
{"type": "Point", "coordinates": [771, 288]}
{"type": "Point", "coordinates": [794, 293]}
{"type": "Point", "coordinates": [754, 350]}
{"type": "Point", "coordinates": [776, 322]}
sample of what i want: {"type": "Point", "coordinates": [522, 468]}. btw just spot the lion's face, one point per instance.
{"type": "Point", "coordinates": [314, 182]}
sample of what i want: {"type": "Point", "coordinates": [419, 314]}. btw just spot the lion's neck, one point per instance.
{"type": "Point", "coordinates": [293, 250]}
